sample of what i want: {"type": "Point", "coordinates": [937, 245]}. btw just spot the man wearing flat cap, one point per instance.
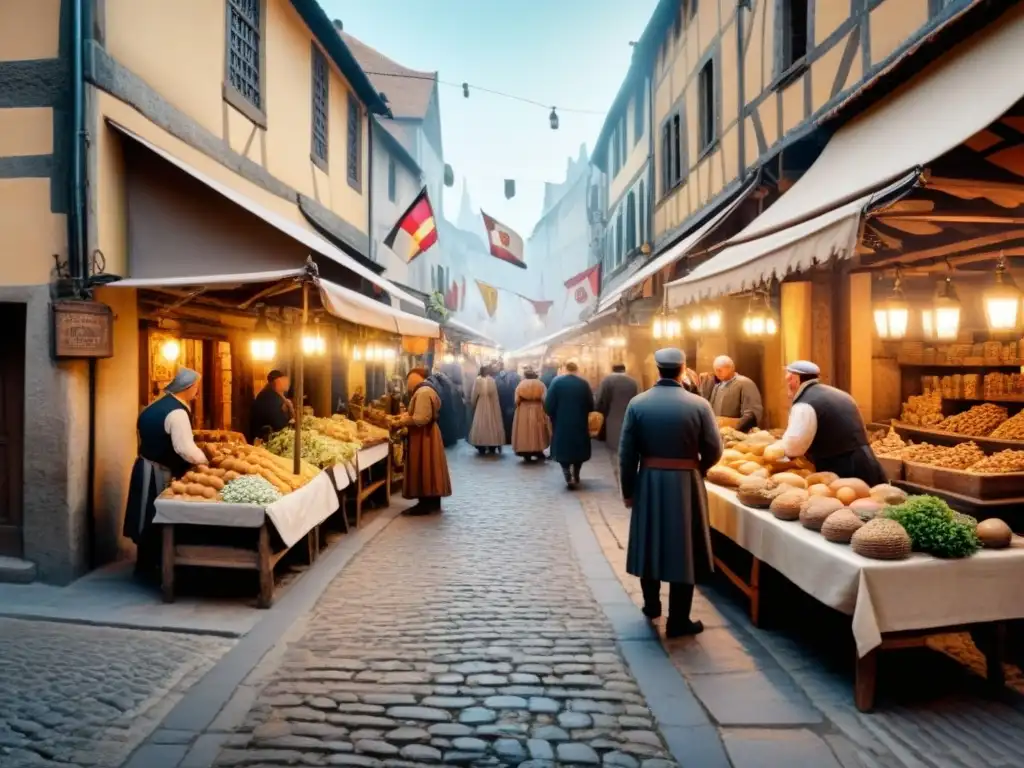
{"type": "Point", "coordinates": [166, 450]}
{"type": "Point", "coordinates": [825, 425]}
{"type": "Point", "coordinates": [669, 441]}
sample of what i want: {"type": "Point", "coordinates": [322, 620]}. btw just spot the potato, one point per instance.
{"type": "Point", "coordinates": [820, 489]}
{"type": "Point", "coordinates": [231, 475]}
{"type": "Point", "coordinates": [209, 493]}
{"type": "Point", "coordinates": [859, 487]}
{"type": "Point", "coordinates": [178, 487]}
{"type": "Point", "coordinates": [195, 489]}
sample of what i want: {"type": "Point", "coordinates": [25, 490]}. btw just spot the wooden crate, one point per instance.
{"type": "Point", "coordinates": [977, 486]}
{"type": "Point", "coordinates": [893, 467]}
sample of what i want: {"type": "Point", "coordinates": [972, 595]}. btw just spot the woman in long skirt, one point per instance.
{"type": "Point", "coordinates": [487, 434]}
{"type": "Point", "coordinates": [531, 428]}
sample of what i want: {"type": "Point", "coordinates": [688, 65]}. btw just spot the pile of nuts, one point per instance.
{"type": "Point", "coordinates": [1003, 461]}
{"type": "Point", "coordinates": [1011, 429]}
{"type": "Point", "coordinates": [959, 456]}
{"type": "Point", "coordinates": [977, 422]}
{"type": "Point", "coordinates": [923, 410]}
{"type": "Point", "coordinates": [888, 444]}
{"type": "Point", "coordinates": [923, 453]}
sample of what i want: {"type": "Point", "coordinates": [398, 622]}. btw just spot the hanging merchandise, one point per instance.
{"type": "Point", "coordinates": [490, 296]}
{"type": "Point", "coordinates": [583, 289]}
{"type": "Point", "coordinates": [510, 188]}
{"type": "Point", "coordinates": [416, 227]}
{"type": "Point", "coordinates": [506, 244]}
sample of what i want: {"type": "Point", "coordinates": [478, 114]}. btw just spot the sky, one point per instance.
{"type": "Point", "coordinates": [562, 53]}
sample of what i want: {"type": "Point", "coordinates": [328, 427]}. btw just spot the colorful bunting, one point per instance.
{"type": "Point", "coordinates": [490, 296]}
{"type": "Point", "coordinates": [416, 227]}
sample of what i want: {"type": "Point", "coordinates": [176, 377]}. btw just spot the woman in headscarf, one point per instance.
{"type": "Point", "coordinates": [487, 434]}
{"type": "Point", "coordinates": [166, 450]}
{"type": "Point", "coordinates": [531, 428]}
{"type": "Point", "coordinates": [426, 466]}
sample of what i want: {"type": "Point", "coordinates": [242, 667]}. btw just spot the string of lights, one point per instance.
{"type": "Point", "coordinates": [466, 87]}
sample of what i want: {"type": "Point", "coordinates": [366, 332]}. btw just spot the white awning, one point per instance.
{"type": "Point", "coordinates": [220, 281]}
{"type": "Point", "coordinates": [362, 310]}
{"type": "Point", "coordinates": [474, 335]}
{"type": "Point", "coordinates": [538, 347]}
{"type": "Point", "coordinates": [339, 301]}
{"type": "Point", "coordinates": [304, 236]}
{"type": "Point", "coordinates": [677, 251]}
{"type": "Point", "coordinates": [819, 216]}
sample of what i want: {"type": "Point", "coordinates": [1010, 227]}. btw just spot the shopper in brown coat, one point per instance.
{"type": "Point", "coordinates": [531, 428]}
{"type": "Point", "coordinates": [426, 466]}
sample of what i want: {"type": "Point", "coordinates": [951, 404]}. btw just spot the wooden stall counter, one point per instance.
{"type": "Point", "coordinates": [892, 603]}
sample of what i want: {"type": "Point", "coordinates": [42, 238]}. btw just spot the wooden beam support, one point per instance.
{"type": "Point", "coordinates": [953, 248]}
{"type": "Point", "coordinates": [953, 218]}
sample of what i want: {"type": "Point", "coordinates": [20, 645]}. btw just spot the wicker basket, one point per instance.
{"type": "Point", "coordinates": [841, 525]}
{"type": "Point", "coordinates": [881, 539]}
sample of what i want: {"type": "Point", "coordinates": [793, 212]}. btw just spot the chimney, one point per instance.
{"type": "Point", "coordinates": [339, 26]}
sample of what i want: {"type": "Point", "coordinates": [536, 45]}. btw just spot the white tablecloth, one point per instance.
{"type": "Point", "coordinates": [293, 515]}
{"type": "Point", "coordinates": [370, 456]}
{"type": "Point", "coordinates": [921, 592]}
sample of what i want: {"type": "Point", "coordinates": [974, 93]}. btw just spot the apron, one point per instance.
{"type": "Point", "coordinates": [148, 480]}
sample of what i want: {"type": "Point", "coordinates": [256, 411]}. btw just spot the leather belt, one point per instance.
{"type": "Point", "coordinates": [653, 462]}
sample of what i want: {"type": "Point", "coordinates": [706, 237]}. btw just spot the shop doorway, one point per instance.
{"type": "Point", "coordinates": [12, 414]}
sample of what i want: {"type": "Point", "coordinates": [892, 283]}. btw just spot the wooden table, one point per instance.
{"type": "Point", "coordinates": [894, 604]}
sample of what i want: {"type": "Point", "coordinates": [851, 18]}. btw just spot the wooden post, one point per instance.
{"type": "Point", "coordinates": [167, 563]}
{"type": "Point", "coordinates": [297, 461]}
{"type": "Point", "coordinates": [266, 569]}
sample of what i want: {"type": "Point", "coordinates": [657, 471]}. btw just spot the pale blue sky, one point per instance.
{"type": "Point", "coordinates": [566, 53]}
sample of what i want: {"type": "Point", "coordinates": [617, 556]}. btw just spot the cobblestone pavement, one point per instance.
{"type": "Point", "coordinates": [468, 638]}
{"type": "Point", "coordinates": [784, 697]}
{"type": "Point", "coordinates": [84, 696]}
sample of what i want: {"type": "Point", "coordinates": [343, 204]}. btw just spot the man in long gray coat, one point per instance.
{"type": "Point", "coordinates": [613, 396]}
{"type": "Point", "coordinates": [569, 402]}
{"type": "Point", "coordinates": [735, 399]}
{"type": "Point", "coordinates": [669, 441]}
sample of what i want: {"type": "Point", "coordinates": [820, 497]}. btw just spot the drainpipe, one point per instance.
{"type": "Point", "coordinates": [77, 260]}
{"type": "Point", "coordinates": [741, 85]}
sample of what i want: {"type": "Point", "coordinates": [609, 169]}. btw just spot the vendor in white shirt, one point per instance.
{"type": "Point", "coordinates": [166, 450]}
{"type": "Point", "coordinates": [825, 425]}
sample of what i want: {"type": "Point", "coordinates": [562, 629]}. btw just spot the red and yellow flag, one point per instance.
{"type": "Point", "coordinates": [416, 226]}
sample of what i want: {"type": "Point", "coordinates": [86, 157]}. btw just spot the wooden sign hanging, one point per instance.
{"type": "Point", "coordinates": [81, 330]}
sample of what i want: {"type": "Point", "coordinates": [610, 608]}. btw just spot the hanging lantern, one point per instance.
{"type": "Point", "coordinates": [713, 320]}
{"type": "Point", "coordinates": [313, 344]}
{"type": "Point", "coordinates": [553, 119]}
{"type": "Point", "coordinates": [946, 311]}
{"type": "Point", "coordinates": [892, 315]}
{"type": "Point", "coordinates": [170, 350]}
{"type": "Point", "coordinates": [390, 354]}
{"type": "Point", "coordinates": [465, 90]}
{"type": "Point", "coordinates": [760, 322]}
{"type": "Point", "coordinates": [1002, 300]}
{"type": "Point", "coordinates": [263, 345]}
{"type": "Point", "coordinates": [666, 327]}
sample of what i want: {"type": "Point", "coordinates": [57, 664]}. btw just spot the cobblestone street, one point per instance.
{"type": "Point", "coordinates": [85, 696]}
{"type": "Point", "coordinates": [469, 638]}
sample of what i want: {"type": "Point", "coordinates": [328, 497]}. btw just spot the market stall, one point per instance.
{"type": "Point", "coordinates": [269, 487]}
{"type": "Point", "coordinates": [901, 566]}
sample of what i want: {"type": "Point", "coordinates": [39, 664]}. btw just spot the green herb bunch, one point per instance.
{"type": "Point", "coordinates": [934, 527]}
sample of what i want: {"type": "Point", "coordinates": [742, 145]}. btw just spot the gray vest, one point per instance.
{"type": "Point", "coordinates": [840, 426]}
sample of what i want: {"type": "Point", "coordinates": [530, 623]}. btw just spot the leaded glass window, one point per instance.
{"type": "Point", "coordinates": [354, 136]}
{"type": "Point", "coordinates": [244, 50]}
{"type": "Point", "coordinates": [321, 86]}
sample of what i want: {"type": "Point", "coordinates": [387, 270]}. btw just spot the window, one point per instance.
{"type": "Point", "coordinates": [245, 52]}
{"type": "Point", "coordinates": [355, 139]}
{"type": "Point", "coordinates": [706, 94]}
{"type": "Point", "coordinates": [793, 40]}
{"type": "Point", "coordinates": [640, 111]}
{"type": "Point", "coordinates": [615, 152]}
{"type": "Point", "coordinates": [641, 222]}
{"type": "Point", "coordinates": [622, 141]}
{"type": "Point", "coordinates": [631, 222]}
{"type": "Point", "coordinates": [677, 144]}
{"type": "Point", "coordinates": [666, 158]}
{"type": "Point", "coordinates": [392, 172]}
{"type": "Point", "coordinates": [693, 9]}
{"type": "Point", "coordinates": [618, 238]}
{"type": "Point", "coordinates": [677, 22]}
{"type": "Point", "coordinates": [321, 90]}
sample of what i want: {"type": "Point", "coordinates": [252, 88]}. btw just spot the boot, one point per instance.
{"type": "Point", "coordinates": [576, 474]}
{"type": "Point", "coordinates": [567, 474]}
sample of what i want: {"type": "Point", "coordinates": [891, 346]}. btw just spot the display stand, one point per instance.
{"type": "Point", "coordinates": [294, 518]}
{"type": "Point", "coordinates": [893, 604]}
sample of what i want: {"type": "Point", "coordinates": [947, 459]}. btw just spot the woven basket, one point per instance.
{"type": "Point", "coordinates": [816, 510]}
{"type": "Point", "coordinates": [840, 525]}
{"type": "Point", "coordinates": [881, 539]}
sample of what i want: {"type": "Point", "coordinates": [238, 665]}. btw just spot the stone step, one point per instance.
{"type": "Point", "coordinates": [14, 570]}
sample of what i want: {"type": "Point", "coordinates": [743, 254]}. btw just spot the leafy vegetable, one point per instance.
{"type": "Point", "coordinates": [318, 449]}
{"type": "Point", "coordinates": [934, 527]}
{"type": "Point", "coordinates": [250, 489]}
